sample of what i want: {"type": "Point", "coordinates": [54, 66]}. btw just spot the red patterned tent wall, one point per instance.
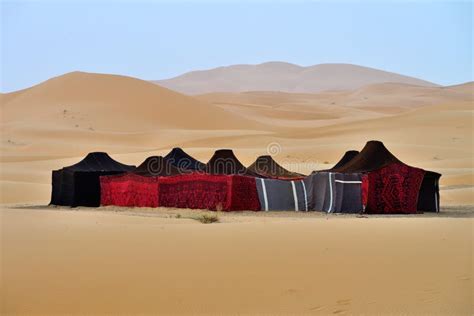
{"type": "Point", "coordinates": [365, 190]}
{"type": "Point", "coordinates": [129, 190]}
{"type": "Point", "coordinates": [213, 192]}
{"type": "Point", "coordinates": [394, 189]}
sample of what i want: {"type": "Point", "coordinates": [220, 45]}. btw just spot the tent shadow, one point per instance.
{"type": "Point", "coordinates": [461, 211]}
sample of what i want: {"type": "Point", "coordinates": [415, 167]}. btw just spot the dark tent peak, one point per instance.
{"type": "Point", "coordinates": [348, 156]}
{"type": "Point", "coordinates": [156, 166]}
{"type": "Point", "coordinates": [225, 162]}
{"type": "Point", "coordinates": [373, 156]}
{"type": "Point", "coordinates": [182, 160]}
{"type": "Point", "coordinates": [226, 153]}
{"type": "Point", "coordinates": [265, 160]}
{"type": "Point", "coordinates": [266, 166]}
{"type": "Point", "coordinates": [97, 154]}
{"type": "Point", "coordinates": [99, 161]}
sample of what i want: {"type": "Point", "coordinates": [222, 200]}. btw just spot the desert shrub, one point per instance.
{"type": "Point", "coordinates": [208, 218]}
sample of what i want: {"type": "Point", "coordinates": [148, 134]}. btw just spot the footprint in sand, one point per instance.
{"type": "Point", "coordinates": [429, 295]}
{"type": "Point", "coordinates": [343, 302]}
{"type": "Point", "coordinates": [464, 278]}
{"type": "Point", "coordinates": [291, 291]}
{"type": "Point", "coordinates": [431, 291]}
{"type": "Point", "coordinates": [317, 308]}
{"type": "Point", "coordinates": [428, 300]}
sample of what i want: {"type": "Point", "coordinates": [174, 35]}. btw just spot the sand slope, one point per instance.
{"type": "Point", "coordinates": [103, 111]}
{"type": "Point", "coordinates": [284, 77]}
{"type": "Point", "coordinates": [112, 103]}
{"type": "Point", "coordinates": [95, 262]}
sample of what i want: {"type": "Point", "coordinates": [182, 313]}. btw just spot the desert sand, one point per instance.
{"type": "Point", "coordinates": [149, 261]}
{"type": "Point", "coordinates": [122, 261]}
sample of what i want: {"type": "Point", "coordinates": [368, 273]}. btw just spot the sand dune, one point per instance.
{"type": "Point", "coordinates": [111, 103]}
{"type": "Point", "coordinates": [284, 77]}
{"type": "Point", "coordinates": [103, 111]}
{"type": "Point", "coordinates": [380, 98]}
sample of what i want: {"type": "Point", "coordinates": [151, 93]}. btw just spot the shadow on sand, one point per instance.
{"type": "Point", "coordinates": [463, 211]}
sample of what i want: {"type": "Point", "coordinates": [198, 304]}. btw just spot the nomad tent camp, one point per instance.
{"type": "Point", "coordinates": [372, 181]}
{"type": "Point", "coordinates": [180, 159]}
{"type": "Point", "coordinates": [138, 187]}
{"type": "Point", "coordinates": [266, 167]}
{"type": "Point", "coordinates": [79, 185]}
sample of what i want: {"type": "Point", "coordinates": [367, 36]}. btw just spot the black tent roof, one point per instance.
{"type": "Point", "coordinates": [348, 156]}
{"type": "Point", "coordinates": [99, 161]}
{"type": "Point", "coordinates": [432, 174]}
{"type": "Point", "coordinates": [373, 156]}
{"type": "Point", "coordinates": [156, 166]}
{"type": "Point", "coordinates": [266, 166]}
{"type": "Point", "coordinates": [225, 162]}
{"type": "Point", "coordinates": [182, 160]}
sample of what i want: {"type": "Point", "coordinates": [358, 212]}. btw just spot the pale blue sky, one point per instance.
{"type": "Point", "coordinates": [431, 40]}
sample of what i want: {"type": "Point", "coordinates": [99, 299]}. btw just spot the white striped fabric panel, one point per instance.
{"type": "Point", "coordinates": [305, 196]}
{"type": "Point", "coordinates": [265, 198]}
{"type": "Point", "coordinates": [331, 193]}
{"type": "Point", "coordinates": [342, 181]}
{"type": "Point", "coordinates": [295, 196]}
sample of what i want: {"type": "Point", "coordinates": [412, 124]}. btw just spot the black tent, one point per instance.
{"type": "Point", "coordinates": [224, 162]}
{"type": "Point", "coordinates": [265, 166]}
{"type": "Point", "coordinates": [348, 156]}
{"type": "Point", "coordinates": [332, 191]}
{"type": "Point", "coordinates": [428, 199]}
{"type": "Point", "coordinates": [79, 185]}
{"type": "Point", "coordinates": [181, 160]}
{"type": "Point", "coordinates": [156, 166]}
{"type": "Point", "coordinates": [375, 156]}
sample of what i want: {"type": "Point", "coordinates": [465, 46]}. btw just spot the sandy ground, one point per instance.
{"type": "Point", "coordinates": [125, 261]}
{"type": "Point", "coordinates": [109, 260]}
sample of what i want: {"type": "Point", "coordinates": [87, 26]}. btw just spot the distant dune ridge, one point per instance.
{"type": "Point", "coordinates": [284, 77]}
